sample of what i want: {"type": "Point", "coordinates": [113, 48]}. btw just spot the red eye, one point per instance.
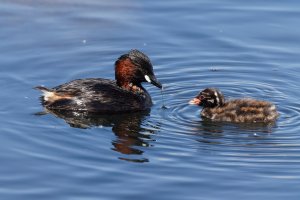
{"type": "Point", "coordinates": [202, 97]}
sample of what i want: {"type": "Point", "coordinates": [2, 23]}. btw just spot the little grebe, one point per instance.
{"type": "Point", "coordinates": [240, 110]}
{"type": "Point", "coordinates": [125, 94]}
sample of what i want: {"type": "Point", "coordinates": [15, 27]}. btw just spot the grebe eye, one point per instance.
{"type": "Point", "coordinates": [202, 97]}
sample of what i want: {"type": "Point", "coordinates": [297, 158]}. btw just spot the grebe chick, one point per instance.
{"type": "Point", "coordinates": [125, 94]}
{"type": "Point", "coordinates": [216, 108]}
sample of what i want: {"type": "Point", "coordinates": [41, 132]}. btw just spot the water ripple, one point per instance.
{"type": "Point", "coordinates": [181, 118]}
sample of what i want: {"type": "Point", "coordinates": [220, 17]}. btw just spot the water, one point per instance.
{"type": "Point", "coordinates": [247, 49]}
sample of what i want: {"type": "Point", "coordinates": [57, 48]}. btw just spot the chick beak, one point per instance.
{"type": "Point", "coordinates": [195, 101]}
{"type": "Point", "coordinates": [152, 79]}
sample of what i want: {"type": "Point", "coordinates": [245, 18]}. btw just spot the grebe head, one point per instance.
{"type": "Point", "coordinates": [133, 68]}
{"type": "Point", "coordinates": [210, 97]}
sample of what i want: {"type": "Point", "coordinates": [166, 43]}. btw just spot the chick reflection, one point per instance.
{"type": "Point", "coordinates": [219, 132]}
{"type": "Point", "coordinates": [127, 128]}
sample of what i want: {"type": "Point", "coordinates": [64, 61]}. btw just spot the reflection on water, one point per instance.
{"type": "Point", "coordinates": [211, 126]}
{"type": "Point", "coordinates": [213, 132]}
{"type": "Point", "coordinates": [127, 127]}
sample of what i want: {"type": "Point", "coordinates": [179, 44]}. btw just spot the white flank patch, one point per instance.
{"type": "Point", "coordinates": [147, 78]}
{"type": "Point", "coordinates": [78, 102]}
{"type": "Point", "coordinates": [47, 95]}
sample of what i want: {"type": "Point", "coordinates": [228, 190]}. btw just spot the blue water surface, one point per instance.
{"type": "Point", "coordinates": [245, 48]}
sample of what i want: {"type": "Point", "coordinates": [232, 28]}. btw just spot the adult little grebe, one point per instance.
{"type": "Point", "coordinates": [125, 94]}
{"type": "Point", "coordinates": [239, 110]}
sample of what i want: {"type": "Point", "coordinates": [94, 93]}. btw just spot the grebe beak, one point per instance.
{"type": "Point", "coordinates": [195, 101]}
{"type": "Point", "coordinates": [151, 79]}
